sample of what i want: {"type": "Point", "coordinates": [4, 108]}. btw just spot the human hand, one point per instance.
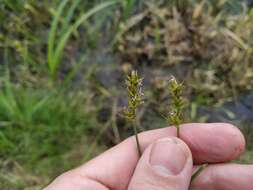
{"type": "Point", "coordinates": [166, 162]}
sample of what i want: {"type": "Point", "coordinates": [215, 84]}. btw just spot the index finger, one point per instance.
{"type": "Point", "coordinates": [212, 143]}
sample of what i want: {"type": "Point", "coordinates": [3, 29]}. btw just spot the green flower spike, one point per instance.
{"type": "Point", "coordinates": [177, 104]}
{"type": "Point", "coordinates": [135, 99]}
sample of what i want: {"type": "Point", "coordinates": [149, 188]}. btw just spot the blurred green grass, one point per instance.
{"type": "Point", "coordinates": [63, 69]}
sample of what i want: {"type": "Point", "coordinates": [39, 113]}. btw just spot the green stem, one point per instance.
{"type": "Point", "coordinates": [198, 171]}
{"type": "Point", "coordinates": [178, 130]}
{"type": "Point", "coordinates": [137, 138]}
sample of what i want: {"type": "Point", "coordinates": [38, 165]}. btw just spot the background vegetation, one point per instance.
{"type": "Point", "coordinates": [63, 66]}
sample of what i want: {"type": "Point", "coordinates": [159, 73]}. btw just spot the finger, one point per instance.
{"type": "Point", "coordinates": [217, 142]}
{"type": "Point", "coordinates": [166, 164]}
{"type": "Point", "coordinates": [213, 143]}
{"type": "Point", "coordinates": [224, 177]}
{"type": "Point", "coordinates": [72, 180]}
{"type": "Point", "coordinates": [227, 139]}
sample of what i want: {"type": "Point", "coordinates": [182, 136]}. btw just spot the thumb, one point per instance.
{"type": "Point", "coordinates": [165, 165]}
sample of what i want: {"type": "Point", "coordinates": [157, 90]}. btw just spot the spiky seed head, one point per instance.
{"type": "Point", "coordinates": [177, 102]}
{"type": "Point", "coordinates": [135, 94]}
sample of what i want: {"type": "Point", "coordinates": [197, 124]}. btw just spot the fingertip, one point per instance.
{"type": "Point", "coordinates": [165, 164]}
{"type": "Point", "coordinates": [213, 142]}
{"type": "Point", "coordinates": [237, 139]}
{"type": "Point", "coordinates": [224, 176]}
{"type": "Point", "coordinates": [169, 154]}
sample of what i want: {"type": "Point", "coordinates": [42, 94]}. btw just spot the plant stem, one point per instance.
{"type": "Point", "coordinates": [178, 130]}
{"type": "Point", "coordinates": [137, 138]}
{"type": "Point", "coordinates": [198, 171]}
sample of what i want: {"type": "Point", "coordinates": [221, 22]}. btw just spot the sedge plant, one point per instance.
{"type": "Point", "coordinates": [177, 105]}
{"type": "Point", "coordinates": [175, 116]}
{"type": "Point", "coordinates": [135, 99]}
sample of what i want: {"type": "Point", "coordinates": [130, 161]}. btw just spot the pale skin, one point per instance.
{"type": "Point", "coordinates": [167, 162]}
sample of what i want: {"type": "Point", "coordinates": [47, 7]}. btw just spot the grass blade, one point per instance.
{"type": "Point", "coordinates": [64, 39]}
{"type": "Point", "coordinates": [70, 15]}
{"type": "Point", "coordinates": [52, 32]}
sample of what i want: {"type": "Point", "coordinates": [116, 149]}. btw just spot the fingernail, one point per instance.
{"type": "Point", "coordinates": [168, 157]}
